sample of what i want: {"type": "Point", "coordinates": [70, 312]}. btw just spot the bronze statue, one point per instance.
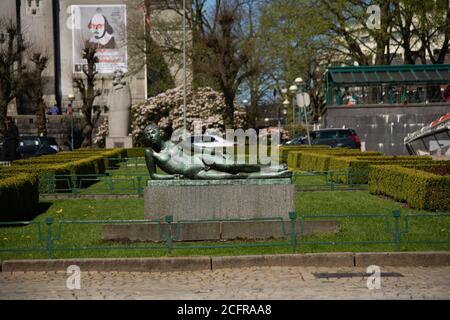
{"type": "Point", "coordinates": [172, 159]}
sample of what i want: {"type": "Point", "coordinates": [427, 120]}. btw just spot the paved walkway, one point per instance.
{"type": "Point", "coordinates": [248, 283]}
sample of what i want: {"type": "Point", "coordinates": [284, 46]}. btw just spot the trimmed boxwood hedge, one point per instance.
{"type": "Point", "coordinates": [135, 152]}
{"type": "Point", "coordinates": [19, 197]}
{"type": "Point", "coordinates": [284, 151]}
{"type": "Point", "coordinates": [86, 161]}
{"type": "Point", "coordinates": [420, 189]}
{"type": "Point", "coordinates": [318, 160]}
{"type": "Point", "coordinates": [358, 167]}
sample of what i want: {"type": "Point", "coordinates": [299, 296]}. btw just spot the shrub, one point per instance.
{"type": "Point", "coordinates": [420, 189]}
{"type": "Point", "coordinates": [135, 152]}
{"type": "Point", "coordinates": [318, 160]}
{"type": "Point", "coordinates": [286, 150]}
{"type": "Point", "coordinates": [19, 197]}
{"type": "Point", "coordinates": [357, 168]}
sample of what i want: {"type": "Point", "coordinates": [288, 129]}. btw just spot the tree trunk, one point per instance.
{"type": "Point", "coordinates": [229, 112]}
{"type": "Point", "coordinates": [3, 113]}
{"type": "Point", "coordinates": [87, 135]}
{"type": "Point", "coordinates": [41, 119]}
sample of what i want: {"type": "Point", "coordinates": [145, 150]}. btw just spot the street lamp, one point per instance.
{"type": "Point", "coordinates": [293, 89]}
{"type": "Point", "coordinates": [71, 98]}
{"type": "Point", "coordinates": [297, 90]}
{"type": "Point", "coordinates": [303, 101]}
{"type": "Point", "coordinates": [285, 117]}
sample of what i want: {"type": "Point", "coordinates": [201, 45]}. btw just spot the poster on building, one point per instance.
{"type": "Point", "coordinates": [102, 27]}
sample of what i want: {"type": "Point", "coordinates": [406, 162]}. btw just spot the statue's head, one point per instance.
{"type": "Point", "coordinates": [152, 134]}
{"type": "Point", "coordinates": [118, 77]}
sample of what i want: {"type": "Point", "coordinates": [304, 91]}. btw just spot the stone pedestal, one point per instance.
{"type": "Point", "coordinates": [219, 199]}
{"type": "Point", "coordinates": [119, 142]}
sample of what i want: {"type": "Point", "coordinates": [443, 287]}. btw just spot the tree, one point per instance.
{"type": "Point", "coordinates": [219, 45]}
{"type": "Point", "coordinates": [423, 25]}
{"type": "Point", "coordinates": [88, 93]}
{"type": "Point", "coordinates": [165, 110]}
{"type": "Point", "coordinates": [34, 88]}
{"type": "Point", "coordinates": [12, 48]}
{"type": "Point", "coordinates": [145, 51]}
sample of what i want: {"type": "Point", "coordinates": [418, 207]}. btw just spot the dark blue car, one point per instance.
{"type": "Point", "coordinates": [335, 138]}
{"type": "Point", "coordinates": [34, 146]}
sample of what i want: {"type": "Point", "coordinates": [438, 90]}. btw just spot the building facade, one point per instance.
{"type": "Point", "coordinates": [61, 29]}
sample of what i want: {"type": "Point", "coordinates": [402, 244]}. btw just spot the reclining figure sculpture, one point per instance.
{"type": "Point", "coordinates": [171, 158]}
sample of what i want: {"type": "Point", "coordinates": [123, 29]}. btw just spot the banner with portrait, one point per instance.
{"type": "Point", "coordinates": [102, 27]}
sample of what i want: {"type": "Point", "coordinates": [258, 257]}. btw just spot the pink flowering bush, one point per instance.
{"type": "Point", "coordinates": [166, 111]}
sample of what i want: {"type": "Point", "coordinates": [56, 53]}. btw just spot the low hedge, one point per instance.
{"type": "Point", "coordinates": [318, 160]}
{"type": "Point", "coordinates": [284, 151]}
{"type": "Point", "coordinates": [135, 152]}
{"type": "Point", "coordinates": [90, 165]}
{"type": "Point", "coordinates": [357, 168]}
{"type": "Point", "coordinates": [19, 197]}
{"type": "Point", "coordinates": [420, 189]}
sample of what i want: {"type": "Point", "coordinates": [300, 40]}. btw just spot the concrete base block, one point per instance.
{"type": "Point", "coordinates": [217, 199]}
{"type": "Point", "coordinates": [213, 231]}
{"type": "Point", "coordinates": [154, 232]}
{"type": "Point", "coordinates": [119, 142]}
{"type": "Point", "coordinates": [255, 230]}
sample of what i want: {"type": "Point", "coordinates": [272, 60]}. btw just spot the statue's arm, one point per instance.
{"type": "Point", "coordinates": [150, 157]}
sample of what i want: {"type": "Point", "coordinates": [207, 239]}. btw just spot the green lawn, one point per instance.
{"type": "Point", "coordinates": [362, 228]}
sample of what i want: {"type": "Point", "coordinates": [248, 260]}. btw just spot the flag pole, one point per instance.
{"type": "Point", "coordinates": [184, 65]}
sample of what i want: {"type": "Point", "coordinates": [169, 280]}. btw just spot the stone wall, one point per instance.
{"type": "Point", "coordinates": [383, 127]}
{"type": "Point", "coordinates": [58, 127]}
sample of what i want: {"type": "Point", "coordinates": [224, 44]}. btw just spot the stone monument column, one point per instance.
{"type": "Point", "coordinates": [119, 104]}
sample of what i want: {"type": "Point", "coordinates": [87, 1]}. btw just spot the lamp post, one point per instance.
{"type": "Point", "coordinates": [71, 98]}
{"type": "Point", "coordinates": [184, 67]}
{"type": "Point", "coordinates": [303, 101]}
{"type": "Point", "coordinates": [293, 90]}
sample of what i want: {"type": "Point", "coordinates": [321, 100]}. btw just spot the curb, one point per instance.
{"type": "Point", "coordinates": [129, 264]}
{"type": "Point", "coordinates": [421, 259]}
{"type": "Point", "coordinates": [88, 196]}
{"type": "Point", "coordinates": [340, 259]}
{"type": "Point", "coordinates": [335, 259]}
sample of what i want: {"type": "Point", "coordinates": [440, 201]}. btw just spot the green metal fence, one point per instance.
{"type": "Point", "coordinates": [129, 182]}
{"type": "Point", "coordinates": [326, 180]}
{"type": "Point", "coordinates": [133, 163]}
{"type": "Point", "coordinates": [55, 235]}
{"type": "Point", "coordinates": [108, 183]}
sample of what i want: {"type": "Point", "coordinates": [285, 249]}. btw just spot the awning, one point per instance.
{"type": "Point", "coordinates": [395, 75]}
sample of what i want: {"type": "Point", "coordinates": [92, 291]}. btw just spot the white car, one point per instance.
{"type": "Point", "coordinates": [199, 142]}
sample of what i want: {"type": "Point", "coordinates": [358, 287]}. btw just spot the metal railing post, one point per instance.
{"type": "Point", "coordinates": [293, 218]}
{"type": "Point", "coordinates": [49, 221]}
{"type": "Point", "coordinates": [331, 181]}
{"type": "Point", "coordinates": [169, 220]}
{"type": "Point", "coordinates": [139, 185]}
{"type": "Point", "coordinates": [350, 176]}
{"type": "Point", "coordinates": [109, 181]}
{"type": "Point", "coordinates": [397, 240]}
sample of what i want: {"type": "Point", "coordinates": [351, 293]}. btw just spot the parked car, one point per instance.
{"type": "Point", "coordinates": [331, 137]}
{"type": "Point", "coordinates": [198, 143]}
{"type": "Point", "coordinates": [34, 146]}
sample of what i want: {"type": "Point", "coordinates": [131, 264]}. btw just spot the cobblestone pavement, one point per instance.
{"type": "Point", "coordinates": [249, 283]}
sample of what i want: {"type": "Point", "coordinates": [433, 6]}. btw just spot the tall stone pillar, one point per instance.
{"type": "Point", "coordinates": [119, 104]}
